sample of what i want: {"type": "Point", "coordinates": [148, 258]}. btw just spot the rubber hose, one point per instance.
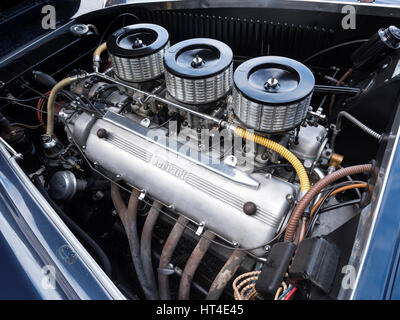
{"type": "Point", "coordinates": [285, 153]}
{"type": "Point", "coordinates": [166, 256]}
{"type": "Point", "coordinates": [339, 83]}
{"type": "Point", "coordinates": [193, 263]}
{"type": "Point", "coordinates": [226, 274]}
{"type": "Point", "coordinates": [50, 104]}
{"type": "Point", "coordinates": [104, 261]}
{"type": "Point", "coordinates": [145, 243]}
{"type": "Point", "coordinates": [313, 192]}
{"type": "Point", "coordinates": [97, 54]}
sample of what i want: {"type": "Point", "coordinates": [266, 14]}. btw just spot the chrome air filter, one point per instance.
{"type": "Point", "coordinates": [272, 94]}
{"type": "Point", "coordinates": [137, 51]}
{"type": "Point", "coordinates": [198, 71]}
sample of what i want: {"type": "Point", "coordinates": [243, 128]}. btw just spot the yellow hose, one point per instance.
{"type": "Point", "coordinates": [96, 55]}
{"type": "Point", "coordinates": [51, 101]}
{"type": "Point", "coordinates": [100, 49]}
{"type": "Point", "coordinates": [285, 153]}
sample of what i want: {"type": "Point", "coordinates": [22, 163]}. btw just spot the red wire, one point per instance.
{"type": "Point", "coordinates": [38, 109]}
{"type": "Point", "coordinates": [39, 106]}
{"type": "Point", "coordinates": [290, 294]}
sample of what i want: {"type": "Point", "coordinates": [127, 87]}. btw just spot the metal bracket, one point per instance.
{"type": "Point", "coordinates": [167, 271]}
{"type": "Point", "coordinates": [142, 195]}
{"type": "Point", "coordinates": [10, 149]}
{"type": "Point", "coordinates": [200, 229]}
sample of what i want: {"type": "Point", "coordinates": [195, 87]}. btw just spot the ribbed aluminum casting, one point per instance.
{"type": "Point", "coordinates": [199, 91]}
{"type": "Point", "coordinates": [269, 118]}
{"type": "Point", "coordinates": [139, 69]}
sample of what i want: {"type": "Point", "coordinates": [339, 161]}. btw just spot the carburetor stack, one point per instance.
{"type": "Point", "coordinates": [272, 94]}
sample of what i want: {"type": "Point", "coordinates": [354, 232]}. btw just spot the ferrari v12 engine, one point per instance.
{"type": "Point", "coordinates": [217, 187]}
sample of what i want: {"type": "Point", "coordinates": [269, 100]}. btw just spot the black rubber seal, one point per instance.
{"type": "Point", "coordinates": [152, 37]}
{"type": "Point", "coordinates": [215, 55]}
{"type": "Point", "coordinates": [295, 80]}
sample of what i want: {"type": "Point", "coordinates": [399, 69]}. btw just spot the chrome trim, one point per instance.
{"type": "Point", "coordinates": [310, 5]}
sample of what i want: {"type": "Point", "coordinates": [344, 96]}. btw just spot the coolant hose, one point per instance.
{"type": "Point", "coordinates": [226, 274]}
{"type": "Point", "coordinates": [145, 243]}
{"type": "Point", "coordinates": [193, 263]}
{"type": "Point", "coordinates": [96, 56]}
{"type": "Point", "coordinates": [51, 101]}
{"type": "Point", "coordinates": [285, 153]}
{"type": "Point", "coordinates": [314, 191]}
{"type": "Point", "coordinates": [166, 256]}
{"type": "Point", "coordinates": [128, 216]}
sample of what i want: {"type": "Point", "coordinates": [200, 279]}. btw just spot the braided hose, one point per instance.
{"type": "Point", "coordinates": [285, 153]}
{"type": "Point", "coordinates": [313, 192]}
{"type": "Point", "coordinates": [356, 122]}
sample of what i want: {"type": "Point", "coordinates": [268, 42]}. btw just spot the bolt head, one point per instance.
{"type": "Point", "coordinates": [249, 208]}
{"type": "Point", "coordinates": [289, 198]}
{"type": "Point", "coordinates": [102, 133]}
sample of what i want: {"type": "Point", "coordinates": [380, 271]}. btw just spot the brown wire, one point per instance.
{"type": "Point", "coordinates": [341, 80]}
{"type": "Point", "coordinates": [304, 224]}
{"type": "Point", "coordinates": [338, 190]}
{"type": "Point", "coordinates": [313, 192]}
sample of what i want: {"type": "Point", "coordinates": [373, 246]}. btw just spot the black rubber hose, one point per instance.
{"type": "Point", "coordinates": [340, 205]}
{"type": "Point", "coordinates": [102, 257]}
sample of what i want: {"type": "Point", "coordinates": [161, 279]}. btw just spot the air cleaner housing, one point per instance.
{"type": "Point", "coordinates": [198, 71]}
{"type": "Point", "coordinates": [272, 94]}
{"type": "Point", "coordinates": [137, 51]}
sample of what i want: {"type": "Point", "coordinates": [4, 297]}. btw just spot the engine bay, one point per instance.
{"type": "Point", "coordinates": [195, 167]}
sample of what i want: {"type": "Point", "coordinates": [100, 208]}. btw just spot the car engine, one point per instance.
{"type": "Point", "coordinates": [202, 174]}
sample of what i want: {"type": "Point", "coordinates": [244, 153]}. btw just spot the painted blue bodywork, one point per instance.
{"type": "Point", "coordinates": [29, 241]}
{"type": "Point", "coordinates": [380, 276]}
